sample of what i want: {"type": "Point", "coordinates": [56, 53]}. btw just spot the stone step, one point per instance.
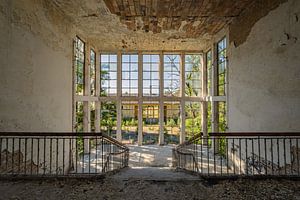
{"type": "Point", "coordinates": [153, 173]}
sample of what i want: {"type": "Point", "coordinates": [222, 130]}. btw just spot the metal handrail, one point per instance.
{"type": "Point", "coordinates": [250, 134]}
{"type": "Point", "coordinates": [179, 148]}
{"type": "Point", "coordinates": [58, 153]}
{"type": "Point", "coordinates": [61, 134]}
{"type": "Point", "coordinates": [241, 154]}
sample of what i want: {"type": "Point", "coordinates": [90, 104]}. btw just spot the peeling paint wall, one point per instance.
{"type": "Point", "coordinates": [264, 74]}
{"type": "Point", "coordinates": [35, 67]}
{"type": "Point", "coordinates": [241, 26]}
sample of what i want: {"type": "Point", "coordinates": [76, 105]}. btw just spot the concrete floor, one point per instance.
{"type": "Point", "coordinates": [152, 173]}
{"type": "Point", "coordinates": [157, 158]}
{"type": "Point", "coordinates": [150, 155]}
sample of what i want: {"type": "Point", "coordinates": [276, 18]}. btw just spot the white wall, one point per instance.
{"type": "Point", "coordinates": [264, 74]}
{"type": "Point", "coordinates": [35, 68]}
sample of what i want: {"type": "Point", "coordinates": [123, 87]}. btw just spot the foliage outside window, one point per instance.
{"type": "Point", "coordinates": [222, 126]}
{"type": "Point", "coordinates": [192, 118]}
{"type": "Point", "coordinates": [129, 75]}
{"type": "Point", "coordinates": [209, 117]}
{"type": "Point", "coordinates": [108, 118]}
{"type": "Point", "coordinates": [129, 121]}
{"type": "Point", "coordinates": [79, 52]}
{"type": "Point", "coordinates": [108, 75]}
{"type": "Point", "coordinates": [150, 66]}
{"type": "Point", "coordinates": [221, 80]}
{"type": "Point", "coordinates": [172, 122]}
{"type": "Point", "coordinates": [222, 116]}
{"type": "Point", "coordinates": [193, 75]}
{"type": "Point", "coordinates": [150, 122]}
{"type": "Point", "coordinates": [79, 116]}
{"type": "Point", "coordinates": [151, 75]}
{"type": "Point", "coordinates": [172, 75]}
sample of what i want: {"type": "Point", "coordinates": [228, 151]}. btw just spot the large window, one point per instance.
{"type": "Point", "coordinates": [209, 72]}
{"type": "Point", "coordinates": [129, 75]}
{"type": "Point", "coordinates": [162, 111]}
{"type": "Point", "coordinates": [193, 75]}
{"type": "Point", "coordinates": [79, 53]}
{"type": "Point", "coordinates": [108, 74]}
{"type": "Point", "coordinates": [172, 75]}
{"type": "Point", "coordinates": [221, 79]}
{"type": "Point", "coordinates": [93, 73]}
{"type": "Point", "coordinates": [151, 75]}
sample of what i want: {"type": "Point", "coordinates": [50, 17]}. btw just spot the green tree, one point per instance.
{"type": "Point", "coordinates": [108, 116]}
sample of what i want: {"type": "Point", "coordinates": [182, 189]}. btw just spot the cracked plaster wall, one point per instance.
{"type": "Point", "coordinates": [35, 67]}
{"type": "Point", "coordinates": [264, 74]}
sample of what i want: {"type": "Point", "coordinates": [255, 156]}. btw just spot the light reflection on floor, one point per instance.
{"type": "Point", "coordinates": [150, 155]}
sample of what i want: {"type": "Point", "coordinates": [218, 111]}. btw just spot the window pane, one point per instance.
{"type": "Point", "coordinates": [172, 124]}
{"type": "Point", "coordinates": [105, 58]}
{"type": "Point", "coordinates": [150, 75]}
{"type": "Point", "coordinates": [129, 121]}
{"type": "Point", "coordinates": [193, 75]}
{"type": "Point", "coordinates": [130, 74]}
{"type": "Point", "coordinates": [108, 74]}
{"type": "Point", "coordinates": [222, 116]}
{"type": "Point", "coordinates": [79, 116]}
{"type": "Point", "coordinates": [209, 72]}
{"type": "Point", "coordinates": [92, 73]}
{"type": "Point", "coordinates": [146, 58]}
{"type": "Point", "coordinates": [222, 65]}
{"type": "Point", "coordinates": [172, 75]}
{"type": "Point", "coordinates": [150, 122]}
{"type": "Point", "coordinates": [79, 52]}
{"type": "Point", "coordinates": [146, 75]}
{"type": "Point", "coordinates": [192, 118]}
{"type": "Point", "coordinates": [108, 116]}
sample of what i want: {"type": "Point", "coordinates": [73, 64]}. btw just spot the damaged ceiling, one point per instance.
{"type": "Point", "coordinates": [190, 18]}
{"type": "Point", "coordinates": [150, 24]}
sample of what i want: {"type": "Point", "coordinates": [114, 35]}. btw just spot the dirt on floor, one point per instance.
{"type": "Point", "coordinates": [109, 188]}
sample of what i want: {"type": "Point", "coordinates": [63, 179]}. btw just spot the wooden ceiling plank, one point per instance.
{"type": "Point", "coordinates": [137, 7]}
{"type": "Point", "coordinates": [110, 6]}
{"type": "Point", "coordinates": [154, 7]}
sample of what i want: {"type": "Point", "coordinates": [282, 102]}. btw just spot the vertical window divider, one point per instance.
{"type": "Point", "coordinates": [182, 96]}
{"type": "Point", "coordinates": [98, 85]}
{"type": "Point", "coordinates": [204, 95]}
{"type": "Point", "coordinates": [140, 100]}
{"type": "Point", "coordinates": [227, 77]}
{"type": "Point", "coordinates": [87, 91]}
{"type": "Point", "coordinates": [119, 94]}
{"type": "Point", "coordinates": [74, 88]}
{"type": "Point", "coordinates": [214, 104]}
{"type": "Point", "coordinates": [161, 101]}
